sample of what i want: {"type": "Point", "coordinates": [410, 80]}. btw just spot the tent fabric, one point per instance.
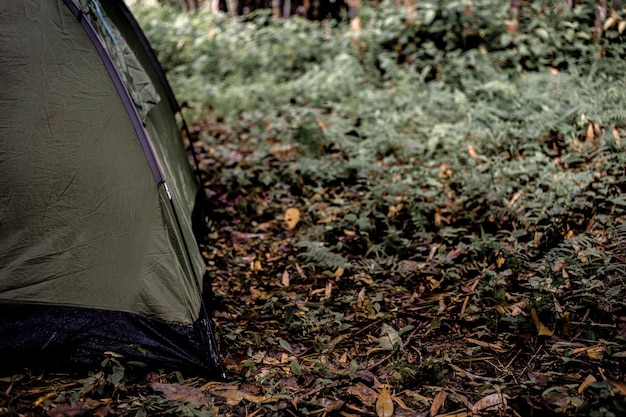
{"type": "Point", "coordinates": [97, 193]}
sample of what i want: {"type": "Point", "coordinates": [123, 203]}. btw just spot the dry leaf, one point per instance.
{"type": "Point", "coordinates": [438, 401]}
{"type": "Point", "coordinates": [179, 392]}
{"type": "Point", "coordinates": [596, 352]}
{"type": "Point", "coordinates": [495, 401]}
{"type": "Point", "coordinates": [256, 266]}
{"type": "Point", "coordinates": [234, 397]}
{"type": "Point", "coordinates": [292, 217]}
{"type": "Point", "coordinates": [472, 151]}
{"type": "Point", "coordinates": [364, 393]}
{"type": "Point", "coordinates": [328, 291]}
{"type": "Point", "coordinates": [615, 132]}
{"type": "Point", "coordinates": [585, 384]}
{"type": "Point", "coordinates": [500, 261]}
{"type": "Point", "coordinates": [542, 330]}
{"type": "Point", "coordinates": [621, 26]}
{"type": "Point", "coordinates": [590, 135]}
{"type": "Point", "coordinates": [495, 346]}
{"type": "Point", "coordinates": [621, 387]}
{"type": "Point", "coordinates": [331, 405]}
{"type": "Point", "coordinates": [69, 410]}
{"type": "Point", "coordinates": [285, 279]}
{"type": "Point", "coordinates": [384, 403]}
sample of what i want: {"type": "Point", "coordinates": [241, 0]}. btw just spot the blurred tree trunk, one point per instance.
{"type": "Point", "coordinates": [189, 5]}
{"type": "Point", "coordinates": [233, 7]}
{"type": "Point", "coordinates": [353, 14]}
{"type": "Point", "coordinates": [513, 25]}
{"type": "Point", "coordinates": [276, 12]}
{"type": "Point", "coordinates": [601, 13]}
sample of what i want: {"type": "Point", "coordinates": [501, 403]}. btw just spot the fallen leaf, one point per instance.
{"type": "Point", "coordinates": [585, 384]}
{"type": "Point", "coordinates": [285, 279]}
{"type": "Point", "coordinates": [234, 397]}
{"type": "Point", "coordinates": [179, 392]}
{"type": "Point", "coordinates": [390, 339]}
{"type": "Point", "coordinates": [364, 393]}
{"type": "Point", "coordinates": [384, 403]}
{"type": "Point", "coordinates": [596, 352]}
{"type": "Point", "coordinates": [590, 133]}
{"type": "Point", "coordinates": [292, 217]}
{"type": "Point", "coordinates": [542, 330]}
{"type": "Point", "coordinates": [438, 401]}
{"type": "Point", "coordinates": [472, 151]}
{"type": "Point", "coordinates": [69, 410]}
{"type": "Point", "coordinates": [621, 387]}
{"type": "Point", "coordinates": [495, 401]}
{"type": "Point", "coordinates": [331, 405]}
{"type": "Point", "coordinates": [495, 346]}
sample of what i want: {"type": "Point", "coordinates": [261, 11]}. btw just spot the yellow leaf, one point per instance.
{"type": "Point", "coordinates": [596, 352]}
{"type": "Point", "coordinates": [292, 217]}
{"type": "Point", "coordinates": [256, 266]}
{"type": "Point", "coordinates": [616, 134]}
{"type": "Point", "coordinates": [328, 291]}
{"type": "Point", "coordinates": [339, 272]}
{"type": "Point", "coordinates": [542, 330]}
{"type": "Point", "coordinates": [500, 262]}
{"type": "Point", "coordinates": [438, 401]}
{"type": "Point", "coordinates": [608, 23]}
{"type": "Point", "coordinates": [384, 404]}
{"type": "Point", "coordinates": [590, 379]}
{"type": "Point", "coordinates": [590, 133]}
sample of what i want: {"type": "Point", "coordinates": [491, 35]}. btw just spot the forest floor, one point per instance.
{"type": "Point", "coordinates": [399, 223]}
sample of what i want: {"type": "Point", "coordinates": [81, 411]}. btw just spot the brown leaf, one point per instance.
{"type": "Point", "coordinates": [331, 405]}
{"type": "Point", "coordinates": [384, 403]}
{"type": "Point", "coordinates": [364, 393]}
{"type": "Point", "coordinates": [621, 387]}
{"type": "Point", "coordinates": [69, 410]}
{"type": "Point", "coordinates": [495, 401]}
{"type": "Point", "coordinates": [179, 392]}
{"type": "Point", "coordinates": [438, 401]}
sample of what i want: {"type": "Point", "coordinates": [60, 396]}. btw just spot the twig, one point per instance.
{"type": "Point", "coordinates": [530, 361]}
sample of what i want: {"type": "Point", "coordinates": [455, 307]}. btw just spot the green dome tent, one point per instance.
{"type": "Point", "coordinates": [97, 251]}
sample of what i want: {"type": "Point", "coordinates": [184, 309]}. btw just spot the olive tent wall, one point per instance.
{"type": "Point", "coordinates": [96, 195]}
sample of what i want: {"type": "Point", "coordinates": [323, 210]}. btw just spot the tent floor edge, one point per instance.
{"type": "Point", "coordinates": [78, 339]}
